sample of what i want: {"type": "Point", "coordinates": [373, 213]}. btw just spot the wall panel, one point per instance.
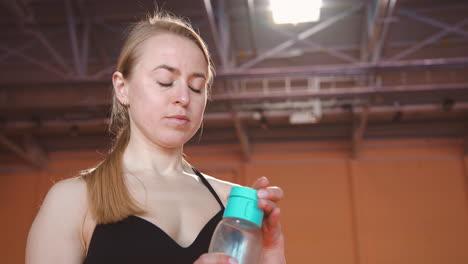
{"type": "Point", "coordinates": [400, 201]}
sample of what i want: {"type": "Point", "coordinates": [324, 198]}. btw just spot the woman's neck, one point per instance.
{"type": "Point", "coordinates": [150, 159]}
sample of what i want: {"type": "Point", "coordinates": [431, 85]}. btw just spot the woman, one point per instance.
{"type": "Point", "coordinates": [144, 203]}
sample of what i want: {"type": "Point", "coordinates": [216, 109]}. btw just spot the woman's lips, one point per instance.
{"type": "Point", "coordinates": [179, 119]}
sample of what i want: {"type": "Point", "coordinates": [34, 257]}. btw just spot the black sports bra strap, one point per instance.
{"type": "Point", "coordinates": [208, 185]}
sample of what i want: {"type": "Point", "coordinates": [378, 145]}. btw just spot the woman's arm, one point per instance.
{"type": "Point", "coordinates": [55, 235]}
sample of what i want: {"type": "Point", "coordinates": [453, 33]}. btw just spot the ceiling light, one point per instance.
{"type": "Point", "coordinates": [295, 11]}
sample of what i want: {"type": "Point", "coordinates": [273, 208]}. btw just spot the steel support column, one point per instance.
{"type": "Point", "coordinates": [241, 133]}
{"type": "Point", "coordinates": [214, 31]}
{"type": "Point", "coordinates": [85, 47]}
{"type": "Point", "coordinates": [224, 33]}
{"type": "Point", "coordinates": [222, 46]}
{"type": "Point", "coordinates": [252, 20]}
{"type": "Point", "coordinates": [359, 130]}
{"type": "Point", "coordinates": [73, 37]}
{"type": "Point", "coordinates": [377, 51]}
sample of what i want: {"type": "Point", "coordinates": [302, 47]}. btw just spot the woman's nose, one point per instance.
{"type": "Point", "coordinates": [181, 95]}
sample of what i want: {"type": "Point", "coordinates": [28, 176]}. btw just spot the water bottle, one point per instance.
{"type": "Point", "coordinates": [239, 233]}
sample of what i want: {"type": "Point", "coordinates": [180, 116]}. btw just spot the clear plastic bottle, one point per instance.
{"type": "Point", "coordinates": [239, 234]}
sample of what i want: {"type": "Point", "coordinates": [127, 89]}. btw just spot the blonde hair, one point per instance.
{"type": "Point", "coordinates": [108, 196]}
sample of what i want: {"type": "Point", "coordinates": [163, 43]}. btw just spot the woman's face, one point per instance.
{"type": "Point", "coordinates": [167, 90]}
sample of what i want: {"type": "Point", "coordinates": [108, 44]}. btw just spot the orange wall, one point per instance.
{"type": "Point", "coordinates": [400, 201]}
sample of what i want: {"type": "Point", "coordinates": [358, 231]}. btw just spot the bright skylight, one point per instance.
{"type": "Point", "coordinates": [295, 11]}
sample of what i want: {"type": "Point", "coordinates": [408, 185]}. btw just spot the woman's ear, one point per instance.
{"type": "Point", "coordinates": [120, 88]}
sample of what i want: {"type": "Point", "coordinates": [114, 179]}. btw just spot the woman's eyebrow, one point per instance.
{"type": "Point", "coordinates": [166, 67]}
{"type": "Point", "coordinates": [177, 71]}
{"type": "Point", "coordinates": [199, 74]}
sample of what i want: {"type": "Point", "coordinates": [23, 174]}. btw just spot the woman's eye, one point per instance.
{"type": "Point", "coordinates": [198, 91]}
{"type": "Point", "coordinates": [195, 90]}
{"type": "Point", "coordinates": [165, 84]}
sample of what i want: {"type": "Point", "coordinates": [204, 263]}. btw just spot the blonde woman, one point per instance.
{"type": "Point", "coordinates": [144, 203]}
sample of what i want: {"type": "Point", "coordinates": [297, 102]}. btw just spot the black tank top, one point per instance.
{"type": "Point", "coordinates": [135, 240]}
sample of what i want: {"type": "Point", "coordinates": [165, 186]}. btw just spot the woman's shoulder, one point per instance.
{"type": "Point", "coordinates": [59, 222]}
{"type": "Point", "coordinates": [222, 188]}
{"type": "Point", "coordinates": [68, 190]}
{"type": "Point", "coordinates": [66, 197]}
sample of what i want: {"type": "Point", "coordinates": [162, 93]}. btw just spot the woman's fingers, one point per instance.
{"type": "Point", "coordinates": [273, 193]}
{"type": "Point", "coordinates": [267, 205]}
{"type": "Point", "coordinates": [273, 219]}
{"type": "Point", "coordinates": [269, 196]}
{"type": "Point", "coordinates": [272, 212]}
{"type": "Point", "coordinates": [215, 258]}
{"type": "Point", "coordinates": [268, 199]}
{"type": "Point", "coordinates": [261, 182]}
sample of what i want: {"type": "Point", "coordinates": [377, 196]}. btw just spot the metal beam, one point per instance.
{"type": "Point", "coordinates": [365, 34]}
{"type": "Point", "coordinates": [224, 33]}
{"type": "Point", "coordinates": [315, 45]}
{"type": "Point", "coordinates": [359, 130]}
{"type": "Point", "coordinates": [48, 46]}
{"type": "Point", "coordinates": [465, 150]}
{"type": "Point", "coordinates": [85, 41]}
{"type": "Point", "coordinates": [100, 49]}
{"type": "Point", "coordinates": [375, 10]}
{"type": "Point", "coordinates": [29, 44]}
{"type": "Point", "coordinates": [429, 40]}
{"type": "Point", "coordinates": [96, 95]}
{"type": "Point", "coordinates": [19, 50]}
{"type": "Point", "coordinates": [19, 151]}
{"type": "Point", "coordinates": [100, 74]}
{"type": "Point", "coordinates": [222, 46]}
{"type": "Point", "coordinates": [241, 133]}
{"type": "Point", "coordinates": [85, 47]}
{"type": "Point", "coordinates": [338, 93]}
{"type": "Point", "coordinates": [303, 35]}
{"type": "Point", "coordinates": [344, 69]}
{"type": "Point", "coordinates": [330, 113]}
{"type": "Point", "coordinates": [214, 31]}
{"type": "Point", "coordinates": [441, 7]}
{"type": "Point", "coordinates": [73, 37]}
{"type": "Point", "coordinates": [25, 14]}
{"type": "Point", "coordinates": [34, 61]}
{"type": "Point", "coordinates": [377, 51]}
{"type": "Point", "coordinates": [251, 18]}
{"type": "Point", "coordinates": [465, 164]}
{"type": "Point", "coordinates": [316, 70]}
{"type": "Point", "coordinates": [35, 151]}
{"type": "Point", "coordinates": [431, 21]}
{"type": "Point", "coordinates": [22, 12]}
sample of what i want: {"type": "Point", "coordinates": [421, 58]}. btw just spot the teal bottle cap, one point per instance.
{"type": "Point", "coordinates": [243, 204]}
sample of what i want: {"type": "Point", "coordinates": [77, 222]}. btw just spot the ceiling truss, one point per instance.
{"type": "Point", "coordinates": [259, 83]}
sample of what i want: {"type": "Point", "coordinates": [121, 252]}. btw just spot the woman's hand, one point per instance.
{"type": "Point", "coordinates": [215, 258]}
{"type": "Point", "coordinates": [273, 239]}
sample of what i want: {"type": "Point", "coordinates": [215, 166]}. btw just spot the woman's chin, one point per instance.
{"type": "Point", "coordinates": [173, 142]}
